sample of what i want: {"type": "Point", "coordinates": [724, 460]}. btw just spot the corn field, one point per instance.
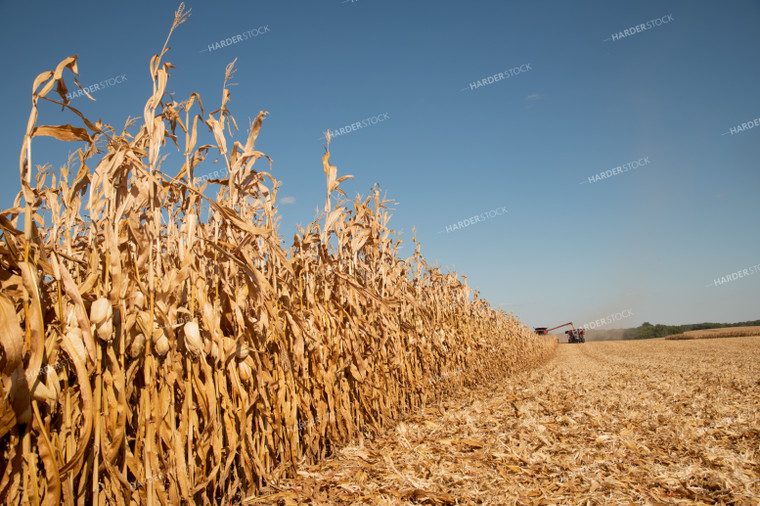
{"type": "Point", "coordinates": [154, 355]}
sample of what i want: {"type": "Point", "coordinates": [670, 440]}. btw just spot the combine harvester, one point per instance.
{"type": "Point", "coordinates": [573, 336]}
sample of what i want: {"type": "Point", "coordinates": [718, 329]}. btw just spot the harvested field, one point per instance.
{"type": "Point", "coordinates": [716, 333]}
{"type": "Point", "coordinates": [656, 421]}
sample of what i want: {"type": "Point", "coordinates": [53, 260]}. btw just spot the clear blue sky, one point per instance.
{"type": "Point", "coordinates": [650, 239]}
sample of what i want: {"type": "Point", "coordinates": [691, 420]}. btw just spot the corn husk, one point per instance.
{"type": "Point", "coordinates": [139, 299]}
{"type": "Point", "coordinates": [75, 335]}
{"type": "Point", "coordinates": [105, 330]}
{"type": "Point", "coordinates": [11, 336]}
{"type": "Point", "coordinates": [162, 345]}
{"type": "Point", "coordinates": [137, 345]}
{"type": "Point", "coordinates": [100, 311]}
{"type": "Point", "coordinates": [193, 340]}
{"type": "Point", "coordinates": [244, 370]}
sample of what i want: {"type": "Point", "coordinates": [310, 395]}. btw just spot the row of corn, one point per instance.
{"type": "Point", "coordinates": [162, 346]}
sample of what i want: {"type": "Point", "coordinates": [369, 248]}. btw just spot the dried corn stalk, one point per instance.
{"type": "Point", "coordinates": [149, 355]}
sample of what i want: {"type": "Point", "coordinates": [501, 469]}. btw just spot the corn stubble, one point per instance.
{"type": "Point", "coordinates": [716, 333]}
{"type": "Point", "coordinates": [151, 356]}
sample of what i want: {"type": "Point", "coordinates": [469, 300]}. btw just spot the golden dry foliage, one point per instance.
{"type": "Point", "coordinates": [716, 333]}
{"type": "Point", "coordinates": [149, 356]}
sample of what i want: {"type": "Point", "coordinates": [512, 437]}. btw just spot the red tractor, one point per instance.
{"type": "Point", "coordinates": [573, 336]}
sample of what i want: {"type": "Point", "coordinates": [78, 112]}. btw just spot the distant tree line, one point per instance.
{"type": "Point", "coordinates": [648, 331]}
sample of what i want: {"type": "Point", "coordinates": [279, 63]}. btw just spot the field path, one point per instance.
{"type": "Point", "coordinates": [658, 422]}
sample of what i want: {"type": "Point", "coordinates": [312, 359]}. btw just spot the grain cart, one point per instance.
{"type": "Point", "coordinates": [573, 336]}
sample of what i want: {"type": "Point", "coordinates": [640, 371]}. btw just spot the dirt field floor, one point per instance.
{"type": "Point", "coordinates": [642, 422]}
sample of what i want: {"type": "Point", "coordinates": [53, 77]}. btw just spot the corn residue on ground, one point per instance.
{"type": "Point", "coordinates": [645, 422]}
{"type": "Point", "coordinates": [717, 333]}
